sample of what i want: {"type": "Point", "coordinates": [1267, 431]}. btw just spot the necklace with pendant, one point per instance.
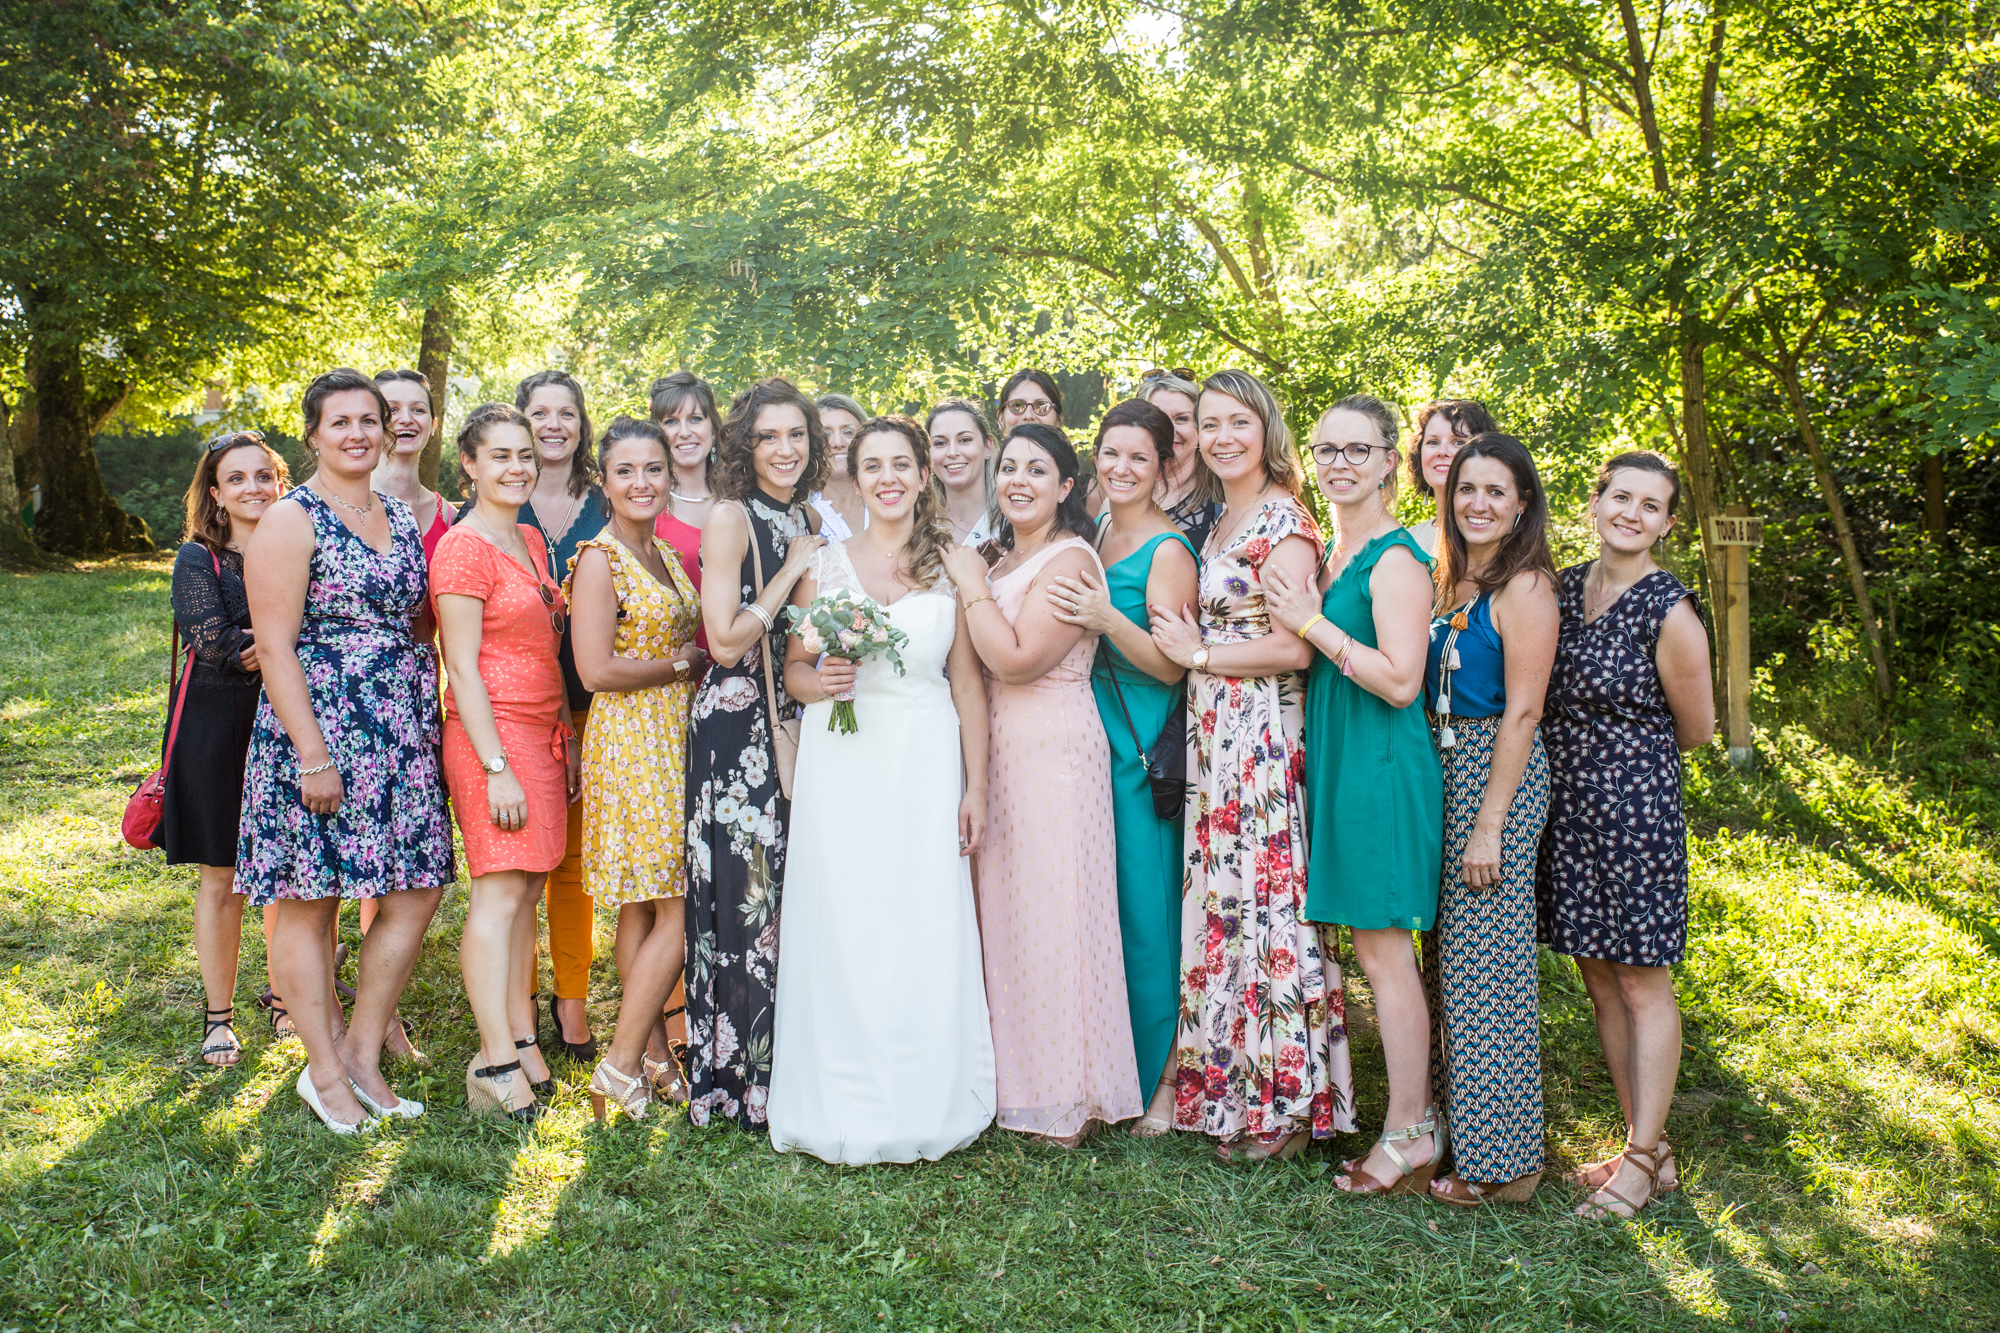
{"type": "Point", "coordinates": [363, 510]}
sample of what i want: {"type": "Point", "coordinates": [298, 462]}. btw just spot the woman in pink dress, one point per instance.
{"type": "Point", "coordinates": [1047, 882]}
{"type": "Point", "coordinates": [1262, 1050]}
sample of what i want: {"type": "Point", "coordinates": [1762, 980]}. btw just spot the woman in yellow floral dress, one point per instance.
{"type": "Point", "coordinates": [635, 616]}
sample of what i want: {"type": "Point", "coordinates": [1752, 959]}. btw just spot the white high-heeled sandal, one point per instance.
{"type": "Point", "coordinates": [310, 1096]}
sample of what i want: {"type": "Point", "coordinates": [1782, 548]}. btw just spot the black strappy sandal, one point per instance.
{"type": "Point", "coordinates": [228, 1023]}
{"type": "Point", "coordinates": [547, 1087]}
{"type": "Point", "coordinates": [575, 1050]}
{"type": "Point", "coordinates": [274, 1009]}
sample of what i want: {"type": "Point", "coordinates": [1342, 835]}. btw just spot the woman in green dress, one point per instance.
{"type": "Point", "coordinates": [1375, 790]}
{"type": "Point", "coordinates": [1146, 560]}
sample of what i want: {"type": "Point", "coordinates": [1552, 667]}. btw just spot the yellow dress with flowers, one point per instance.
{"type": "Point", "coordinates": [635, 748]}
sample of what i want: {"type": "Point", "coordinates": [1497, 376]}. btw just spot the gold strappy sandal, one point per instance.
{"type": "Point", "coordinates": [1411, 1179]}
{"type": "Point", "coordinates": [634, 1092]}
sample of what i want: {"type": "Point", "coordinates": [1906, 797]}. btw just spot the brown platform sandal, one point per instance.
{"type": "Point", "coordinates": [1412, 1179]}
{"type": "Point", "coordinates": [1601, 1211]}
{"type": "Point", "coordinates": [1456, 1190]}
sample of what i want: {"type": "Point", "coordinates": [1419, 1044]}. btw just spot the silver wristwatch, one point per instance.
{"type": "Point", "coordinates": [497, 764]}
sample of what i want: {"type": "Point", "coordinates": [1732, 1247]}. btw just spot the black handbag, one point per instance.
{"type": "Point", "coordinates": [1166, 762]}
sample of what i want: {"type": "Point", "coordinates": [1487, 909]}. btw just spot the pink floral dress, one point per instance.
{"type": "Point", "coordinates": [1262, 1044]}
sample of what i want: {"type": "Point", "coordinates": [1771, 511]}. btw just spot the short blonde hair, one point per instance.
{"type": "Point", "coordinates": [1388, 424]}
{"type": "Point", "coordinates": [1281, 455]}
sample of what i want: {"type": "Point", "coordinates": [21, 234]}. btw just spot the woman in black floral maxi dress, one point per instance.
{"type": "Point", "coordinates": [772, 455]}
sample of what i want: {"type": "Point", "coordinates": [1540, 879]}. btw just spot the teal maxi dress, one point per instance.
{"type": "Point", "coordinates": [1149, 848]}
{"type": "Point", "coordinates": [1374, 787]}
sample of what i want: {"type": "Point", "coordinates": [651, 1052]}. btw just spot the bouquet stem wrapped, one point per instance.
{"type": "Point", "coordinates": [841, 624]}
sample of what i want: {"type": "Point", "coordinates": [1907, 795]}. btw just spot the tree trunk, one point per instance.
{"type": "Point", "coordinates": [1843, 532]}
{"type": "Point", "coordinates": [1699, 460]}
{"type": "Point", "coordinates": [78, 516]}
{"type": "Point", "coordinates": [1934, 511]}
{"type": "Point", "coordinates": [16, 546]}
{"type": "Point", "coordinates": [434, 363]}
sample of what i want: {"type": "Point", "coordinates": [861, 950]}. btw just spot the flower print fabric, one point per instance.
{"type": "Point", "coordinates": [1612, 876]}
{"type": "Point", "coordinates": [635, 748]}
{"type": "Point", "coordinates": [1262, 1045]}
{"type": "Point", "coordinates": [736, 822]}
{"type": "Point", "coordinates": [374, 693]}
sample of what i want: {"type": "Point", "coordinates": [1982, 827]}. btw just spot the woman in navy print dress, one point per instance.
{"type": "Point", "coordinates": [1630, 690]}
{"type": "Point", "coordinates": [342, 794]}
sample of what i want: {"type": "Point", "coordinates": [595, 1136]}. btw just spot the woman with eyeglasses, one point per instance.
{"type": "Point", "coordinates": [238, 478]}
{"type": "Point", "coordinates": [508, 747]}
{"type": "Point", "coordinates": [1030, 395]}
{"type": "Point", "coordinates": [1262, 1048]}
{"type": "Point", "coordinates": [1374, 791]}
{"type": "Point", "coordinates": [1189, 493]}
{"type": "Point", "coordinates": [1441, 428]}
{"type": "Point", "coordinates": [342, 797]}
{"type": "Point", "coordinates": [1492, 646]}
{"type": "Point", "coordinates": [567, 509]}
{"type": "Point", "coordinates": [961, 453]}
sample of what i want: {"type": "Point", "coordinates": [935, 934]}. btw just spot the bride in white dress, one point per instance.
{"type": "Point", "coordinates": [883, 1049]}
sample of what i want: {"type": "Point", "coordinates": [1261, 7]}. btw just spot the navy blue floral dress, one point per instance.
{"type": "Point", "coordinates": [375, 695]}
{"type": "Point", "coordinates": [1612, 877]}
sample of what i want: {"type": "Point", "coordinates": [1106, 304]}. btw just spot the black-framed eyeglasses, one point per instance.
{"type": "Point", "coordinates": [230, 439]}
{"type": "Point", "coordinates": [549, 600]}
{"type": "Point", "coordinates": [1355, 454]}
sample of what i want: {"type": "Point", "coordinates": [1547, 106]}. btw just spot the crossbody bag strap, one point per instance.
{"type": "Point", "coordinates": [757, 571]}
{"type": "Point", "coordinates": [1138, 746]}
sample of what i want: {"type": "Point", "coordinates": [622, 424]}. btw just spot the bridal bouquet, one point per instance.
{"type": "Point", "coordinates": [840, 624]}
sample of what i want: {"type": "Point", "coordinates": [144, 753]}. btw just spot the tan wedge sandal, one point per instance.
{"type": "Point", "coordinates": [1411, 1179]}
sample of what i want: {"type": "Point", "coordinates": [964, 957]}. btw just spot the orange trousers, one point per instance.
{"type": "Point", "coordinates": [572, 913]}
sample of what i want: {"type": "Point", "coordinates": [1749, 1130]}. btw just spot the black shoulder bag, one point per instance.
{"type": "Point", "coordinates": [1166, 762]}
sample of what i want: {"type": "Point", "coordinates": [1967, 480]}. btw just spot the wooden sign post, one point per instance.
{"type": "Point", "coordinates": [1736, 532]}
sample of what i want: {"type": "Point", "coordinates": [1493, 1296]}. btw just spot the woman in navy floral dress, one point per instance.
{"type": "Point", "coordinates": [342, 793]}
{"type": "Point", "coordinates": [1629, 691]}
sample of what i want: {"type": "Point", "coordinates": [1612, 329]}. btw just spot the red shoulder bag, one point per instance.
{"type": "Point", "coordinates": [143, 811]}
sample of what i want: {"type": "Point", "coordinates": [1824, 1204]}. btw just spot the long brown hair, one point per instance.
{"type": "Point", "coordinates": [1524, 549]}
{"type": "Point", "coordinates": [207, 520]}
{"type": "Point", "coordinates": [582, 463]}
{"type": "Point", "coordinates": [736, 443]}
{"type": "Point", "coordinates": [930, 535]}
{"type": "Point", "coordinates": [1468, 417]}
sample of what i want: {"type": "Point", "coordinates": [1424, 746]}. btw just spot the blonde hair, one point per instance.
{"type": "Point", "coordinates": [1281, 455]}
{"type": "Point", "coordinates": [1388, 425]}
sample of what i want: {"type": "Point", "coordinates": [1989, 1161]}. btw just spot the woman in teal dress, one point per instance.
{"type": "Point", "coordinates": [1374, 788]}
{"type": "Point", "coordinates": [1146, 559]}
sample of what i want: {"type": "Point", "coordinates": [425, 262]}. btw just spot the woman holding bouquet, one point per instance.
{"type": "Point", "coordinates": [1048, 879]}
{"type": "Point", "coordinates": [1146, 560]}
{"type": "Point", "coordinates": [771, 457]}
{"type": "Point", "coordinates": [636, 612]}
{"type": "Point", "coordinates": [1262, 1050]}
{"type": "Point", "coordinates": [883, 1050]}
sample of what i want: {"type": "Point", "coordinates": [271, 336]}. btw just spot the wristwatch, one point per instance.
{"type": "Point", "coordinates": [496, 764]}
{"type": "Point", "coordinates": [680, 668]}
{"type": "Point", "coordinates": [1201, 659]}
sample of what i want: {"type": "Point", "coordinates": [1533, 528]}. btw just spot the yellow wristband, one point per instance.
{"type": "Point", "coordinates": [1309, 624]}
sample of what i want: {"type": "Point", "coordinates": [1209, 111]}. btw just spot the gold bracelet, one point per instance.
{"type": "Point", "coordinates": [988, 597]}
{"type": "Point", "coordinates": [1303, 629]}
{"type": "Point", "coordinates": [762, 615]}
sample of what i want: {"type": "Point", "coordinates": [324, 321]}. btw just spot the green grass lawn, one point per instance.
{"type": "Point", "coordinates": [1836, 1127]}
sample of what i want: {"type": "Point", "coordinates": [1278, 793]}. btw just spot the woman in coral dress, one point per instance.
{"type": "Point", "coordinates": [1048, 879]}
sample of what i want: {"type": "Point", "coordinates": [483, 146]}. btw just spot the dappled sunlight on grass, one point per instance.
{"type": "Point", "coordinates": [1837, 1109]}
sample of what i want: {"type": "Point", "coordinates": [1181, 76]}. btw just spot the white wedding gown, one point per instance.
{"type": "Point", "coordinates": [883, 1050]}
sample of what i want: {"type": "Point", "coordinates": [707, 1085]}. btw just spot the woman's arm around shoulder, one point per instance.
{"type": "Point", "coordinates": [968, 697]}
{"type": "Point", "coordinates": [1681, 658]}
{"type": "Point", "coordinates": [1031, 647]}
